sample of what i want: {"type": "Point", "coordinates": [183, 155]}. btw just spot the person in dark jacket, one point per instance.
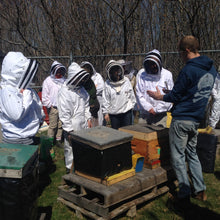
{"type": "Point", "coordinates": [99, 86]}
{"type": "Point", "coordinates": [189, 96]}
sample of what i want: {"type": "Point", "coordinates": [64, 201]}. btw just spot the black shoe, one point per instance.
{"type": "Point", "coordinates": [67, 171]}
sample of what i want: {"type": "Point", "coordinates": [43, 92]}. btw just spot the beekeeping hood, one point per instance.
{"type": "Point", "coordinates": [76, 76]}
{"type": "Point", "coordinates": [17, 70]}
{"type": "Point", "coordinates": [153, 56]}
{"type": "Point", "coordinates": [55, 67]}
{"type": "Point", "coordinates": [116, 80]}
{"type": "Point", "coordinates": [88, 65]}
{"type": "Point", "coordinates": [111, 68]}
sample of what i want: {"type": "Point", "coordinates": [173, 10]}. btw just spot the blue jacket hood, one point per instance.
{"type": "Point", "coordinates": [202, 62]}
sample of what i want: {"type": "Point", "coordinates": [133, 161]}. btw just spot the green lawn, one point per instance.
{"type": "Point", "coordinates": [156, 210]}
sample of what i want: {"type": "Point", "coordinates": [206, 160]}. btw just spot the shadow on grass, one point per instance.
{"type": "Point", "coordinates": [217, 174]}
{"type": "Point", "coordinates": [44, 212]}
{"type": "Point", "coordinates": [44, 177]}
{"type": "Point", "coordinates": [193, 212]}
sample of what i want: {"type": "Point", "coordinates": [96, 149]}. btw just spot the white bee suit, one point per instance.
{"type": "Point", "coordinates": [73, 108]}
{"type": "Point", "coordinates": [20, 113]}
{"type": "Point", "coordinates": [118, 97]}
{"type": "Point", "coordinates": [215, 111]}
{"type": "Point", "coordinates": [151, 77]}
{"type": "Point", "coordinates": [150, 82]}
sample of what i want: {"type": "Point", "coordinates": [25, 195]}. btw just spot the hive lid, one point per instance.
{"type": "Point", "coordinates": [14, 157]}
{"type": "Point", "coordinates": [101, 137]}
{"type": "Point", "coordinates": [146, 132]}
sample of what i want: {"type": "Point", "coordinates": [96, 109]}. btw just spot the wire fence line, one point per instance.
{"type": "Point", "coordinates": [170, 59]}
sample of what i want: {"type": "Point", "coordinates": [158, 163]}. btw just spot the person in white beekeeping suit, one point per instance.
{"type": "Point", "coordinates": [151, 76]}
{"type": "Point", "coordinates": [50, 88]}
{"type": "Point", "coordinates": [215, 110]}
{"type": "Point", "coordinates": [99, 85]}
{"type": "Point", "coordinates": [73, 107]}
{"type": "Point", "coordinates": [21, 112]}
{"type": "Point", "coordinates": [118, 96]}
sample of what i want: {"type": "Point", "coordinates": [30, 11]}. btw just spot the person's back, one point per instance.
{"type": "Point", "coordinates": [21, 111]}
{"type": "Point", "coordinates": [192, 89]}
{"type": "Point", "coordinates": [73, 107]}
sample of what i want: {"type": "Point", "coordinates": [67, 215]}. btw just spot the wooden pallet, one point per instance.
{"type": "Point", "coordinates": [98, 201]}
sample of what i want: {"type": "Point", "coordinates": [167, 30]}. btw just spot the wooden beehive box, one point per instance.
{"type": "Point", "coordinates": [101, 151]}
{"type": "Point", "coordinates": [150, 141]}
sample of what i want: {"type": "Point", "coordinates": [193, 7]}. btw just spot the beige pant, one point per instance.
{"type": "Point", "coordinates": [55, 126]}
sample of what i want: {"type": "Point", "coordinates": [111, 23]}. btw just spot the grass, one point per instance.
{"type": "Point", "coordinates": [47, 202]}
{"type": "Point", "coordinates": [157, 209]}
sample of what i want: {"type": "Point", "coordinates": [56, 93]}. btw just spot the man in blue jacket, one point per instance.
{"type": "Point", "coordinates": [189, 96]}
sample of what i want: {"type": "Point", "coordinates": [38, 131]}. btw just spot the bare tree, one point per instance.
{"type": "Point", "coordinates": [91, 28]}
{"type": "Point", "coordinates": [124, 11]}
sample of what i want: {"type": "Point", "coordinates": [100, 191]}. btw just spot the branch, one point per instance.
{"type": "Point", "coordinates": [133, 9]}
{"type": "Point", "coordinates": [11, 42]}
{"type": "Point", "coordinates": [113, 9]}
{"type": "Point", "coordinates": [19, 31]}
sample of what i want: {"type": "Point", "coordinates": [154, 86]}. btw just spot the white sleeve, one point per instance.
{"type": "Point", "coordinates": [133, 98]}
{"type": "Point", "coordinates": [161, 105]}
{"type": "Point", "coordinates": [170, 82]}
{"type": "Point", "coordinates": [216, 87]}
{"type": "Point", "coordinates": [46, 94]}
{"type": "Point", "coordinates": [40, 111]}
{"type": "Point", "coordinates": [64, 109]}
{"type": "Point", "coordinates": [106, 100]}
{"type": "Point", "coordinates": [99, 85]}
{"type": "Point", "coordinates": [215, 111]}
{"type": "Point", "coordinates": [15, 104]}
{"type": "Point", "coordinates": [140, 94]}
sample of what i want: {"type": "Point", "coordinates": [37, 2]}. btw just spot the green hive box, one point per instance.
{"type": "Point", "coordinates": [18, 181]}
{"type": "Point", "coordinates": [15, 159]}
